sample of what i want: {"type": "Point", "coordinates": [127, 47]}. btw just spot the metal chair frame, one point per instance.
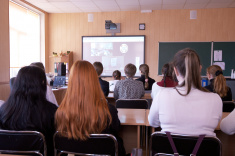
{"type": "Point", "coordinates": [58, 152]}
{"type": "Point", "coordinates": [183, 137]}
{"type": "Point", "coordinates": [37, 152]}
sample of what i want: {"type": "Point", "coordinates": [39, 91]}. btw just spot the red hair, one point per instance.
{"type": "Point", "coordinates": [84, 109]}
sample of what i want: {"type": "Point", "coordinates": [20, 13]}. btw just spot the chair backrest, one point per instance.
{"type": "Point", "coordinates": [132, 103]}
{"type": "Point", "coordinates": [22, 142]}
{"type": "Point", "coordinates": [99, 144]}
{"type": "Point", "coordinates": [228, 106]}
{"type": "Point", "coordinates": [159, 144]}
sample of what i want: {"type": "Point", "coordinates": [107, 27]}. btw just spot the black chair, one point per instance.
{"type": "Point", "coordinates": [228, 106]}
{"type": "Point", "coordinates": [132, 103]}
{"type": "Point", "coordinates": [99, 144]}
{"type": "Point", "coordinates": [160, 145]}
{"type": "Point", "coordinates": [22, 142]}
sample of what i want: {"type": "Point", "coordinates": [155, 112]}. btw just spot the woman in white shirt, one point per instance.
{"type": "Point", "coordinates": [188, 108]}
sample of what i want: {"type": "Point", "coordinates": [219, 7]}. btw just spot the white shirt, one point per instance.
{"type": "Point", "coordinates": [155, 89]}
{"type": "Point", "coordinates": [197, 113]}
{"type": "Point", "coordinates": [112, 84]}
{"type": "Point", "coordinates": [227, 125]}
{"type": "Point", "coordinates": [50, 96]}
{"type": "Point", "coordinates": [1, 102]}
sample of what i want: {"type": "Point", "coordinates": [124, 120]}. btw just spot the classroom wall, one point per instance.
{"type": "Point", "coordinates": [65, 30]}
{"type": "Point", "coordinates": [4, 49]}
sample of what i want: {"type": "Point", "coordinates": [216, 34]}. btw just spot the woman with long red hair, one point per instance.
{"type": "Point", "coordinates": [84, 109]}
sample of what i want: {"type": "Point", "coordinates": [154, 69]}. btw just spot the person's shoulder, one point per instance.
{"type": "Point", "coordinates": [50, 106]}
{"type": "Point", "coordinates": [152, 80]}
{"type": "Point", "coordinates": [103, 81]}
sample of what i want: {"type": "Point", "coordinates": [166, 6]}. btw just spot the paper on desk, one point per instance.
{"type": "Point", "coordinates": [217, 55]}
{"type": "Point", "coordinates": [221, 64]}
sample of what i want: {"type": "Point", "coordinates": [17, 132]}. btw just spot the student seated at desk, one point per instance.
{"type": "Point", "coordinates": [188, 108]}
{"type": "Point", "coordinates": [84, 109]}
{"type": "Point", "coordinates": [218, 83]}
{"type": "Point", "coordinates": [104, 84]}
{"type": "Point", "coordinates": [167, 81]}
{"type": "Point", "coordinates": [116, 77]}
{"type": "Point", "coordinates": [129, 88]}
{"type": "Point", "coordinates": [27, 107]}
{"type": "Point", "coordinates": [147, 81]}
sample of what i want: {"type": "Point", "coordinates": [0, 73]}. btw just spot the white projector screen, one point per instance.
{"type": "Point", "coordinates": [114, 52]}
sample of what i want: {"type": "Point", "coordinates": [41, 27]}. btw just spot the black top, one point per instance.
{"type": "Point", "coordinates": [46, 115]}
{"type": "Point", "coordinates": [150, 81]}
{"type": "Point", "coordinates": [114, 128]}
{"type": "Point", "coordinates": [211, 89]}
{"type": "Point", "coordinates": [104, 86]}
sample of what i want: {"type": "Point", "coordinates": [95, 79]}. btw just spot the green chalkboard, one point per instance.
{"type": "Point", "coordinates": [167, 51]}
{"type": "Point", "coordinates": [228, 55]}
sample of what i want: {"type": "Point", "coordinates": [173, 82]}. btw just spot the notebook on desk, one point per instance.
{"type": "Point", "coordinates": [59, 82]}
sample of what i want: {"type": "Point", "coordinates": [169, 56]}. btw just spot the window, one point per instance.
{"type": "Point", "coordinates": [24, 37]}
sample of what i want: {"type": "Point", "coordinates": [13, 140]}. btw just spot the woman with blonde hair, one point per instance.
{"type": "Point", "coordinates": [147, 81]}
{"type": "Point", "coordinates": [218, 83]}
{"type": "Point", "coordinates": [188, 108]}
{"type": "Point", "coordinates": [84, 109]}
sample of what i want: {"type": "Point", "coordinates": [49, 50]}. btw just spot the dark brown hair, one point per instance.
{"type": "Point", "coordinates": [117, 75]}
{"type": "Point", "coordinates": [98, 67]}
{"type": "Point", "coordinates": [187, 63]}
{"type": "Point", "coordinates": [130, 70]}
{"type": "Point", "coordinates": [144, 68]}
{"type": "Point", "coordinates": [168, 71]}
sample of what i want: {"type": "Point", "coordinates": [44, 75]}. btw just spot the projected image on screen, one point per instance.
{"type": "Point", "coordinates": [114, 52]}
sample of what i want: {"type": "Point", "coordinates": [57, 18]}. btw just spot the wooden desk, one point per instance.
{"type": "Point", "coordinates": [59, 94]}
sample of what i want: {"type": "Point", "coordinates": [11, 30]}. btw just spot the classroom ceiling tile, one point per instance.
{"type": "Point", "coordinates": [63, 4]}
{"type": "Point", "coordinates": [197, 1]}
{"type": "Point", "coordinates": [70, 9]}
{"type": "Point", "coordinates": [130, 8]}
{"type": "Point", "coordinates": [173, 6]}
{"type": "Point", "coordinates": [232, 5]}
{"type": "Point", "coordinates": [218, 5]}
{"type": "Point", "coordinates": [194, 6]}
{"type": "Point", "coordinates": [58, 0]}
{"type": "Point", "coordinates": [84, 4]}
{"type": "Point", "coordinates": [173, 2]}
{"type": "Point", "coordinates": [150, 2]}
{"type": "Point", "coordinates": [221, 1]}
{"type": "Point", "coordinates": [150, 7]}
{"type": "Point", "coordinates": [127, 2]}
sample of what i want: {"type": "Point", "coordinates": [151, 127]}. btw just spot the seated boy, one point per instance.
{"type": "Point", "coordinates": [129, 88]}
{"type": "Point", "coordinates": [104, 84]}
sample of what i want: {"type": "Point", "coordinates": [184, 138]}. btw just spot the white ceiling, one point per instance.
{"type": "Point", "coordinates": [73, 6]}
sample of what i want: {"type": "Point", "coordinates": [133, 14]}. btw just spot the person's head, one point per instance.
{"type": "Point", "coordinates": [84, 109]}
{"type": "Point", "coordinates": [144, 69]}
{"type": "Point", "coordinates": [215, 72]}
{"type": "Point", "coordinates": [38, 64]}
{"type": "Point", "coordinates": [130, 70]}
{"type": "Point", "coordinates": [98, 67]}
{"type": "Point", "coordinates": [187, 68]}
{"type": "Point", "coordinates": [28, 92]}
{"type": "Point", "coordinates": [117, 75]}
{"type": "Point", "coordinates": [168, 71]}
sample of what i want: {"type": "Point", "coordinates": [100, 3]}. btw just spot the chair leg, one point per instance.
{"type": "Point", "coordinates": [146, 141]}
{"type": "Point", "coordinates": [138, 136]}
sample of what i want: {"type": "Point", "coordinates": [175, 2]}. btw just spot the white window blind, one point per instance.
{"type": "Point", "coordinates": [24, 37]}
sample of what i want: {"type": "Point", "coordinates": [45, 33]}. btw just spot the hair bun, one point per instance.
{"type": "Point", "coordinates": [218, 72]}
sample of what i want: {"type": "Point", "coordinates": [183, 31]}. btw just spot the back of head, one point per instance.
{"type": "Point", "coordinates": [130, 70]}
{"type": "Point", "coordinates": [28, 92]}
{"type": "Point", "coordinates": [168, 71]}
{"type": "Point", "coordinates": [38, 64]}
{"type": "Point", "coordinates": [144, 68]}
{"type": "Point", "coordinates": [117, 75]}
{"type": "Point", "coordinates": [84, 109]}
{"type": "Point", "coordinates": [187, 63]}
{"type": "Point", "coordinates": [219, 83]}
{"type": "Point", "coordinates": [98, 67]}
